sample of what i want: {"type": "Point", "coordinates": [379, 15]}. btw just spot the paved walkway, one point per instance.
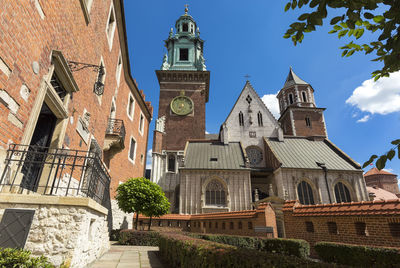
{"type": "Point", "coordinates": [129, 256]}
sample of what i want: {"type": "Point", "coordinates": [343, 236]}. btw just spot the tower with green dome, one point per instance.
{"type": "Point", "coordinates": [184, 90]}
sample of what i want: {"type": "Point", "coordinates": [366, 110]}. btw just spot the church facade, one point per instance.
{"type": "Point", "coordinates": [255, 156]}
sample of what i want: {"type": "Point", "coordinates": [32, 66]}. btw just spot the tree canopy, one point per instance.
{"type": "Point", "coordinates": [379, 17]}
{"type": "Point", "coordinates": [142, 196]}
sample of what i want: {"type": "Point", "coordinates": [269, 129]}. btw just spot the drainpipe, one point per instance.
{"type": "Point", "coordinates": [323, 166]}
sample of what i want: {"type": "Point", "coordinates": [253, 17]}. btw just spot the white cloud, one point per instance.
{"type": "Point", "coordinates": [380, 97]}
{"type": "Point", "coordinates": [271, 102]}
{"type": "Point", "coordinates": [364, 119]}
{"type": "Point", "coordinates": [149, 158]}
{"type": "Point", "coordinates": [207, 132]}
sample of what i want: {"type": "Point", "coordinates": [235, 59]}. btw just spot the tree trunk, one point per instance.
{"type": "Point", "coordinates": [150, 223]}
{"type": "Point", "coordinates": [137, 219]}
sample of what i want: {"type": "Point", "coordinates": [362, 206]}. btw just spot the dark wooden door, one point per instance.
{"type": "Point", "coordinates": [36, 155]}
{"type": "Point", "coordinates": [14, 227]}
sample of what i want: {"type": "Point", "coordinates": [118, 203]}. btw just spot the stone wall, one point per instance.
{"type": "Point", "coordinates": [67, 230]}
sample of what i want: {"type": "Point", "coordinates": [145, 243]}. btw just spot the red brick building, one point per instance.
{"type": "Point", "coordinates": [66, 89]}
{"type": "Point", "coordinates": [382, 179]}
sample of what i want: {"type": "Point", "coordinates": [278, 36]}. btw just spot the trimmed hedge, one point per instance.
{"type": "Point", "coordinates": [114, 234]}
{"type": "Point", "coordinates": [355, 255]}
{"type": "Point", "coordinates": [296, 247]}
{"type": "Point", "coordinates": [179, 250]}
{"type": "Point", "coordinates": [11, 257]}
{"type": "Point", "coordinates": [138, 238]}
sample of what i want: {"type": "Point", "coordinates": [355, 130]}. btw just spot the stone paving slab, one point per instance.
{"type": "Point", "coordinates": [128, 256]}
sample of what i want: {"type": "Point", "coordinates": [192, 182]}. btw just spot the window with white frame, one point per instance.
{"type": "Point", "coordinates": [131, 106]}
{"type": "Point", "coordinates": [119, 68]}
{"type": "Point", "coordinates": [141, 123]}
{"type": "Point", "coordinates": [132, 149]}
{"type": "Point", "coordinates": [111, 24]}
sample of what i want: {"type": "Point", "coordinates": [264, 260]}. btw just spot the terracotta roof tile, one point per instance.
{"type": "Point", "coordinates": [377, 207]}
{"type": "Point", "coordinates": [375, 171]}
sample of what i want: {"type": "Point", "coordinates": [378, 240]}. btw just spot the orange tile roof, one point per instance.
{"type": "Point", "coordinates": [381, 194]}
{"type": "Point", "coordinates": [168, 217]}
{"type": "Point", "coordinates": [364, 208]}
{"type": "Point", "coordinates": [375, 171]}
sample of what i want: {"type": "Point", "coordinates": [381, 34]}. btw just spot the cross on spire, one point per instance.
{"type": "Point", "coordinates": [186, 8]}
{"type": "Point", "coordinates": [247, 76]}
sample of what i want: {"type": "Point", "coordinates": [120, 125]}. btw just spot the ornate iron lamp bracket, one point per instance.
{"type": "Point", "coordinates": [98, 88]}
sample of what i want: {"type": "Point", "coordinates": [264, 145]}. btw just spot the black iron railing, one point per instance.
{"type": "Point", "coordinates": [116, 127]}
{"type": "Point", "coordinates": [62, 172]}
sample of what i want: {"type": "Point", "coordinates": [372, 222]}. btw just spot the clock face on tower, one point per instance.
{"type": "Point", "coordinates": [255, 155]}
{"type": "Point", "coordinates": [182, 105]}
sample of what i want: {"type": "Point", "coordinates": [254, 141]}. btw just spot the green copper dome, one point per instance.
{"type": "Point", "coordinates": [185, 47]}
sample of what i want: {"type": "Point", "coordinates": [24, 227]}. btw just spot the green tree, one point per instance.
{"type": "Point", "coordinates": [142, 196]}
{"type": "Point", "coordinates": [379, 17]}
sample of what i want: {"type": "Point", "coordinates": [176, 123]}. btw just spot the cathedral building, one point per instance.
{"type": "Point", "coordinates": [255, 157]}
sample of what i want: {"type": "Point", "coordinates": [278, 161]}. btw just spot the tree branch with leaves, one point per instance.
{"type": "Point", "coordinates": [379, 17]}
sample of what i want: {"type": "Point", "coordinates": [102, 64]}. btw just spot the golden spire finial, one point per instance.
{"type": "Point", "coordinates": [186, 8]}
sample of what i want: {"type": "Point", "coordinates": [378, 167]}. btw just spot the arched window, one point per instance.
{"type": "Point", "coordinates": [241, 121]}
{"type": "Point", "coordinates": [304, 96]}
{"type": "Point", "coordinates": [215, 194]}
{"type": "Point", "coordinates": [260, 121]}
{"type": "Point", "coordinates": [305, 193]}
{"type": "Point", "coordinates": [171, 163]}
{"type": "Point", "coordinates": [290, 99]}
{"type": "Point", "coordinates": [342, 193]}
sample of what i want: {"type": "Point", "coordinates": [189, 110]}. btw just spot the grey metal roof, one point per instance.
{"type": "Point", "coordinates": [212, 136]}
{"type": "Point", "coordinates": [293, 79]}
{"type": "Point", "coordinates": [214, 155]}
{"type": "Point", "coordinates": [304, 153]}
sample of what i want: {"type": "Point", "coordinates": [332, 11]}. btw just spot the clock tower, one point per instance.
{"type": "Point", "coordinates": [184, 90]}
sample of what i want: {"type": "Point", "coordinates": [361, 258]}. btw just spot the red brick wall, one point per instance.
{"type": "Point", "coordinates": [232, 223]}
{"type": "Point", "coordinates": [178, 128]}
{"type": "Point", "coordinates": [384, 181]}
{"type": "Point", "coordinates": [27, 38]}
{"type": "Point", "coordinates": [317, 124]}
{"type": "Point", "coordinates": [375, 215]}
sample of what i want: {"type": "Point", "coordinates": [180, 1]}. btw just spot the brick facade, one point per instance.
{"type": "Point", "coordinates": [31, 31]}
{"type": "Point", "coordinates": [375, 223]}
{"type": "Point", "coordinates": [382, 179]}
{"type": "Point", "coordinates": [179, 128]}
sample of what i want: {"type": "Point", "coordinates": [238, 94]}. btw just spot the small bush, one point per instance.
{"type": "Point", "coordinates": [114, 234]}
{"type": "Point", "coordinates": [138, 238]}
{"type": "Point", "coordinates": [179, 250]}
{"type": "Point", "coordinates": [11, 257]}
{"type": "Point", "coordinates": [361, 256]}
{"type": "Point", "coordinates": [296, 247]}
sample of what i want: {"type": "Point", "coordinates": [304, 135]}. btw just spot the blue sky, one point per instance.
{"type": "Point", "coordinates": [246, 38]}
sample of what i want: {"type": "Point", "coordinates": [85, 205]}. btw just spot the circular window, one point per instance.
{"type": "Point", "coordinates": [255, 155]}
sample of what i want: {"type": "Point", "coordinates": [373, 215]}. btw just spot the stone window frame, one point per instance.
{"type": "Point", "coordinates": [111, 31]}
{"type": "Point", "coordinates": [131, 113]}
{"type": "Point", "coordinates": [361, 228]}
{"type": "Point", "coordinates": [141, 123]}
{"type": "Point", "coordinates": [134, 152]}
{"type": "Point", "coordinates": [118, 70]}
{"type": "Point", "coordinates": [260, 119]}
{"type": "Point", "coordinates": [169, 155]}
{"type": "Point", "coordinates": [290, 98]}
{"type": "Point", "coordinates": [47, 94]}
{"type": "Point", "coordinates": [226, 189]}
{"type": "Point", "coordinates": [304, 95]}
{"type": "Point", "coordinates": [344, 190]}
{"type": "Point", "coordinates": [313, 191]}
{"type": "Point", "coordinates": [346, 183]}
{"type": "Point", "coordinates": [86, 6]}
{"type": "Point", "coordinates": [103, 79]}
{"type": "Point", "coordinates": [308, 122]}
{"type": "Point", "coordinates": [241, 119]}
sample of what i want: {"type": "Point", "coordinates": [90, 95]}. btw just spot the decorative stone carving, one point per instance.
{"type": "Point", "coordinates": [165, 65]}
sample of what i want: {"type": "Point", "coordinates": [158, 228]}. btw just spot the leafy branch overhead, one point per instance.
{"type": "Point", "coordinates": [359, 16]}
{"type": "Point", "coordinates": [381, 162]}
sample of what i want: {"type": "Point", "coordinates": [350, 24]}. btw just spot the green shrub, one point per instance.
{"type": "Point", "coordinates": [138, 238]}
{"type": "Point", "coordinates": [296, 247]}
{"type": "Point", "coordinates": [114, 234]}
{"type": "Point", "coordinates": [11, 257]}
{"type": "Point", "coordinates": [179, 250]}
{"type": "Point", "coordinates": [361, 256]}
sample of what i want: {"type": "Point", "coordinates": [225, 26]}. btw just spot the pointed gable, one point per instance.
{"type": "Point", "coordinates": [256, 117]}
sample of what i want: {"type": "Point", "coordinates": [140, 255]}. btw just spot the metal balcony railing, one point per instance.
{"type": "Point", "coordinates": [116, 127]}
{"type": "Point", "coordinates": [59, 172]}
